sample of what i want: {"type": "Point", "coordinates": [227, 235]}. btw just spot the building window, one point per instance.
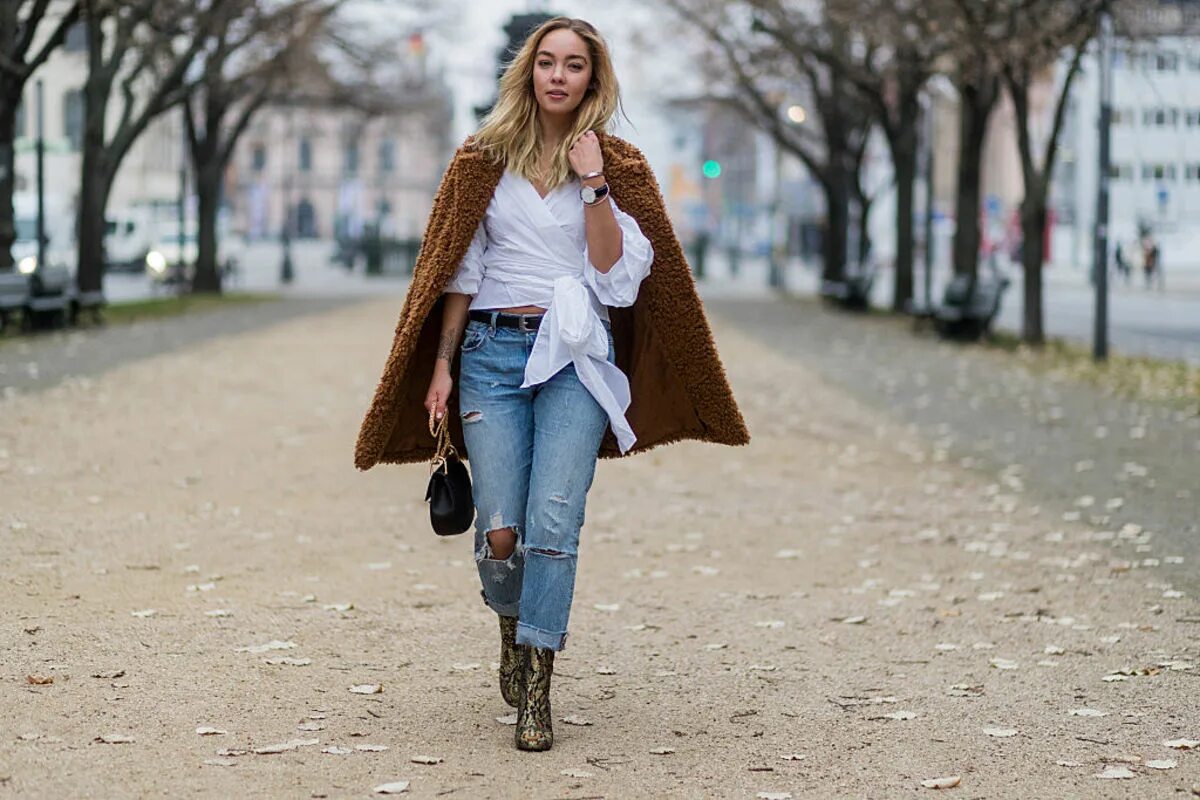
{"type": "Point", "coordinates": [1166, 61]}
{"type": "Point", "coordinates": [76, 40]}
{"type": "Point", "coordinates": [1159, 172]}
{"type": "Point", "coordinates": [258, 158]}
{"type": "Point", "coordinates": [350, 157]}
{"type": "Point", "coordinates": [73, 118]}
{"type": "Point", "coordinates": [305, 155]}
{"type": "Point", "coordinates": [1160, 117]}
{"type": "Point", "coordinates": [1121, 172]}
{"type": "Point", "coordinates": [1193, 172]}
{"type": "Point", "coordinates": [1193, 117]}
{"type": "Point", "coordinates": [1122, 116]}
{"type": "Point", "coordinates": [387, 155]}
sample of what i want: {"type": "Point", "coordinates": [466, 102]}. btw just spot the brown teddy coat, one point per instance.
{"type": "Point", "coordinates": [663, 342]}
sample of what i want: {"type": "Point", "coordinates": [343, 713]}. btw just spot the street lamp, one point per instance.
{"type": "Point", "coordinates": [1100, 268]}
{"type": "Point", "coordinates": [286, 272]}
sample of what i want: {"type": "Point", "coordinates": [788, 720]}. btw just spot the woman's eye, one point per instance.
{"type": "Point", "coordinates": [543, 63]}
{"type": "Point", "coordinates": [577, 67]}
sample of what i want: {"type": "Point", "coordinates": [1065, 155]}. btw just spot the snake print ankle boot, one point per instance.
{"type": "Point", "coordinates": [535, 730]}
{"type": "Point", "coordinates": [511, 661]}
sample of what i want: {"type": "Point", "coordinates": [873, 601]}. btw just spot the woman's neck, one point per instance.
{"type": "Point", "coordinates": [554, 128]}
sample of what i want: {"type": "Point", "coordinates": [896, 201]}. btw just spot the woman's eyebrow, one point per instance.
{"type": "Point", "coordinates": [573, 55]}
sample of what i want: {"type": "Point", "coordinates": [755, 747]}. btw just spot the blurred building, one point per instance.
{"type": "Point", "coordinates": [339, 170]}
{"type": "Point", "coordinates": [1155, 174]}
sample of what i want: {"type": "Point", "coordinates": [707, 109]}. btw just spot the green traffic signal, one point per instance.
{"type": "Point", "coordinates": [712, 169]}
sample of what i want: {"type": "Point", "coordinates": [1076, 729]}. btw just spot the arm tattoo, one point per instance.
{"type": "Point", "coordinates": [447, 346]}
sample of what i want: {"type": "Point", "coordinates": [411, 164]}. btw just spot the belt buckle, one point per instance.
{"type": "Point", "coordinates": [522, 324]}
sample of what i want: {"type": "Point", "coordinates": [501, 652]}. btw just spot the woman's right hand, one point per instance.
{"type": "Point", "coordinates": [439, 392]}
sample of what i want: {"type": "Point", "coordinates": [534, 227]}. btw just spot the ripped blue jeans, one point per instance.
{"type": "Point", "coordinates": [533, 455]}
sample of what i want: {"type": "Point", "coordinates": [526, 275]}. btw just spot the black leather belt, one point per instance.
{"type": "Point", "coordinates": [522, 322]}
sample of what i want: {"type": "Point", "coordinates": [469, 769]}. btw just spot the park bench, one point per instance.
{"type": "Point", "coordinates": [14, 295]}
{"type": "Point", "coordinates": [969, 306]}
{"type": "Point", "coordinates": [853, 291]}
{"type": "Point", "coordinates": [49, 296]}
{"type": "Point", "coordinates": [89, 302]}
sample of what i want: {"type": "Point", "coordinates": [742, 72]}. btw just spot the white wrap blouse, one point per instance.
{"type": "Point", "coordinates": [532, 251]}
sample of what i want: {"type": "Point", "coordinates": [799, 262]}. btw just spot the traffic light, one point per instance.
{"type": "Point", "coordinates": [712, 169]}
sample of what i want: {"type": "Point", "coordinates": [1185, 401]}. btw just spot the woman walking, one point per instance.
{"type": "Point", "coordinates": [550, 269]}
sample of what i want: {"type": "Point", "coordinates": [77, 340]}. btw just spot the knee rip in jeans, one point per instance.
{"type": "Point", "coordinates": [472, 416]}
{"type": "Point", "coordinates": [485, 552]}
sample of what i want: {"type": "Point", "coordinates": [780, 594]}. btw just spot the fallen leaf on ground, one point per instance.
{"type": "Point", "coordinates": [396, 787]}
{"type": "Point", "coordinates": [575, 719]}
{"type": "Point", "coordinates": [948, 782]}
{"type": "Point", "coordinates": [1115, 773]}
{"type": "Point", "coordinates": [283, 747]}
{"type": "Point", "coordinates": [114, 738]}
{"type": "Point", "coordinates": [1162, 763]}
{"type": "Point", "coordinates": [205, 731]}
{"type": "Point", "coordinates": [274, 644]}
{"type": "Point", "coordinates": [39, 680]}
{"type": "Point", "coordinates": [366, 688]}
{"type": "Point", "coordinates": [575, 773]}
{"type": "Point", "coordinates": [335, 750]}
{"type": "Point", "coordinates": [1182, 744]}
{"type": "Point", "coordinates": [662, 751]}
{"type": "Point", "coordinates": [425, 760]}
{"type": "Point", "coordinates": [1000, 733]}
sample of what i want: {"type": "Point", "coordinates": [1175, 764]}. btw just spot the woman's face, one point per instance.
{"type": "Point", "coordinates": [562, 71]}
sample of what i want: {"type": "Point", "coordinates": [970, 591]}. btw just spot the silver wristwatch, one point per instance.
{"type": "Point", "coordinates": [592, 196]}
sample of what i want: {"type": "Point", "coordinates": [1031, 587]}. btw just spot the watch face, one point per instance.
{"type": "Point", "coordinates": [588, 194]}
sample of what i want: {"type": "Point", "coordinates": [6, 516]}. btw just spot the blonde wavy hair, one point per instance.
{"type": "Point", "coordinates": [510, 133]}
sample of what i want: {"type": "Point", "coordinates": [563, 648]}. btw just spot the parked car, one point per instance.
{"type": "Point", "coordinates": [165, 267]}
{"type": "Point", "coordinates": [129, 234]}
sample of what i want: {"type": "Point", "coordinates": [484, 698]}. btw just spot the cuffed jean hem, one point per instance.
{"type": "Point", "coordinates": [536, 637]}
{"type": "Point", "coordinates": [503, 609]}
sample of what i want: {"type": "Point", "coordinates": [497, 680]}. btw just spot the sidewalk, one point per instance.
{"type": "Point", "coordinates": [837, 610]}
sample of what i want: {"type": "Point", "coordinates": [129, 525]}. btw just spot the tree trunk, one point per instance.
{"type": "Point", "coordinates": [96, 179]}
{"type": "Point", "coordinates": [1033, 227]}
{"type": "Point", "coordinates": [904, 158]}
{"type": "Point", "coordinates": [208, 192]}
{"type": "Point", "coordinates": [837, 228]}
{"type": "Point", "coordinates": [8, 182]}
{"type": "Point", "coordinates": [864, 229]}
{"type": "Point", "coordinates": [975, 109]}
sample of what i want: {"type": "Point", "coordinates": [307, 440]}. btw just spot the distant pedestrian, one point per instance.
{"type": "Point", "coordinates": [1122, 264]}
{"type": "Point", "coordinates": [1151, 264]}
{"type": "Point", "coordinates": [525, 251]}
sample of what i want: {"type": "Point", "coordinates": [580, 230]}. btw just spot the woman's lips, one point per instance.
{"type": "Point", "coordinates": [557, 95]}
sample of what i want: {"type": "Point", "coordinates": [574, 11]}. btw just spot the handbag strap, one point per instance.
{"type": "Point", "coordinates": [440, 431]}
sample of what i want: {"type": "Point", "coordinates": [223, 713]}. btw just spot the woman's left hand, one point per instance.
{"type": "Point", "coordinates": [585, 154]}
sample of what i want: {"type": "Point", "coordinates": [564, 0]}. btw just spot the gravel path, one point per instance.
{"type": "Point", "coordinates": [34, 362]}
{"type": "Point", "coordinates": [838, 610]}
{"type": "Point", "coordinates": [1076, 450]}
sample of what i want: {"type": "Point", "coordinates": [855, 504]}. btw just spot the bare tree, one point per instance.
{"type": "Point", "coordinates": [250, 53]}
{"type": "Point", "coordinates": [1030, 40]}
{"type": "Point", "coordinates": [888, 49]}
{"type": "Point", "coordinates": [142, 49]}
{"type": "Point", "coordinates": [758, 64]}
{"type": "Point", "coordinates": [23, 24]}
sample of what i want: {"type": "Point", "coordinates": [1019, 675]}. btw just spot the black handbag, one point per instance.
{"type": "Point", "coordinates": [451, 506]}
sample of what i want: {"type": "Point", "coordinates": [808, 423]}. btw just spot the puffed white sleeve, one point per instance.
{"type": "Point", "coordinates": [619, 286]}
{"type": "Point", "coordinates": [469, 275]}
